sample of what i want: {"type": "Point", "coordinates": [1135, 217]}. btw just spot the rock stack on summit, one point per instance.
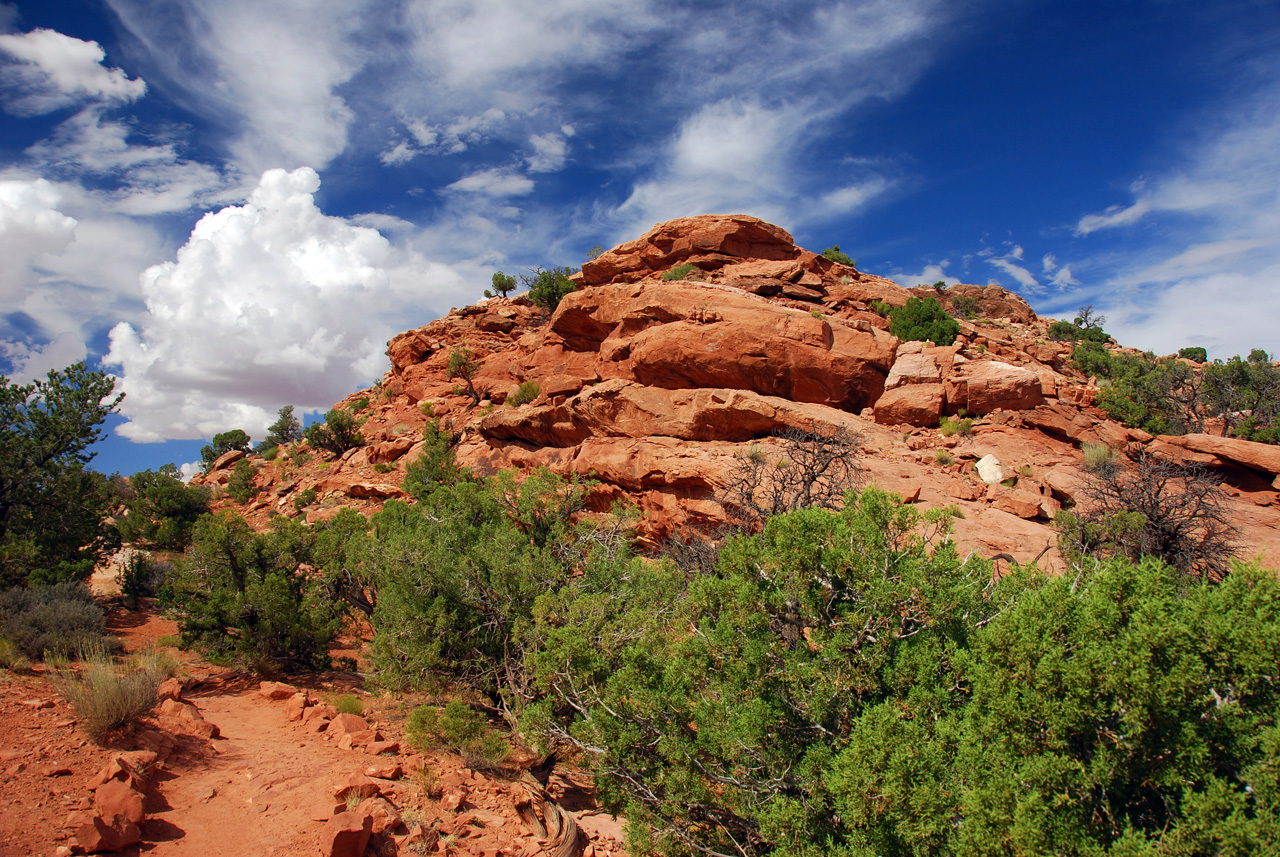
{"type": "Point", "coordinates": [706, 337]}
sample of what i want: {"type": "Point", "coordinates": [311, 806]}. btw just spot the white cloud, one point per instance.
{"type": "Point", "coordinates": [270, 69]}
{"type": "Point", "coordinates": [31, 226]}
{"type": "Point", "coordinates": [147, 179]}
{"type": "Point", "coordinates": [1114, 216]}
{"type": "Point", "coordinates": [400, 153]}
{"type": "Point", "coordinates": [382, 222]}
{"type": "Point", "coordinates": [726, 159]}
{"type": "Point", "coordinates": [255, 312]}
{"type": "Point", "coordinates": [1050, 263]}
{"type": "Point", "coordinates": [930, 275]}
{"type": "Point", "coordinates": [47, 71]}
{"type": "Point", "coordinates": [31, 362]}
{"type": "Point", "coordinates": [1207, 275]}
{"type": "Point", "coordinates": [68, 266]}
{"type": "Point", "coordinates": [1062, 278]}
{"type": "Point", "coordinates": [1025, 278]}
{"type": "Point", "coordinates": [495, 182]}
{"type": "Point", "coordinates": [1227, 313]}
{"type": "Point", "coordinates": [549, 153]}
{"type": "Point", "coordinates": [480, 45]}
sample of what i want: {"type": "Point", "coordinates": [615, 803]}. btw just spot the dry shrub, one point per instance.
{"type": "Point", "coordinates": [108, 698]}
{"type": "Point", "coordinates": [817, 467]}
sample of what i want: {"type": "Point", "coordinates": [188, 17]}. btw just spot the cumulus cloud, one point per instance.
{"type": "Point", "coordinates": [68, 268]}
{"type": "Point", "coordinates": [255, 312]}
{"type": "Point", "coordinates": [46, 71]}
{"type": "Point", "coordinates": [31, 226]}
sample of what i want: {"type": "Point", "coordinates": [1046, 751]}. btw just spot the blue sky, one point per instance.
{"type": "Point", "coordinates": [232, 206]}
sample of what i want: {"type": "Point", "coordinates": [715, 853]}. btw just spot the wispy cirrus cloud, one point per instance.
{"type": "Point", "coordinates": [1206, 276]}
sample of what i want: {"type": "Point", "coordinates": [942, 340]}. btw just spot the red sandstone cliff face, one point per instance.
{"type": "Point", "coordinates": [655, 388]}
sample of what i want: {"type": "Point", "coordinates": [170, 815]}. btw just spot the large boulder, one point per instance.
{"type": "Point", "coordinates": [713, 239]}
{"type": "Point", "coordinates": [1263, 457]}
{"type": "Point", "coordinates": [981, 387]}
{"type": "Point", "coordinates": [346, 834]}
{"type": "Point", "coordinates": [912, 405]}
{"type": "Point", "coordinates": [619, 408]}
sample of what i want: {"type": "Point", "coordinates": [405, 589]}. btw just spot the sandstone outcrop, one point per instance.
{"type": "Point", "coordinates": [705, 338]}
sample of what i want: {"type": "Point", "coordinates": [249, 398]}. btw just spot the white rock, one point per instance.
{"type": "Point", "coordinates": [990, 470]}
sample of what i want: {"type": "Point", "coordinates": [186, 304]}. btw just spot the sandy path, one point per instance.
{"type": "Point", "coordinates": [255, 792]}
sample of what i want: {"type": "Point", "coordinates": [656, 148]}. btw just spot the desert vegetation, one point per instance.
{"type": "Point", "coordinates": [1174, 395]}
{"type": "Point", "coordinates": [923, 319]}
{"type": "Point", "coordinates": [836, 679]}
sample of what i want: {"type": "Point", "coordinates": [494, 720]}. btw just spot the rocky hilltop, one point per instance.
{"type": "Point", "coordinates": [657, 386]}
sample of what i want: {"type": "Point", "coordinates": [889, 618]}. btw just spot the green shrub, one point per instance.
{"type": "Point", "coordinates": [526, 392]}
{"type": "Point", "coordinates": [462, 364]}
{"type": "Point", "coordinates": [141, 576]}
{"type": "Point", "coordinates": [1195, 353]}
{"type": "Point", "coordinates": [62, 618]}
{"type": "Point", "coordinates": [349, 703]}
{"type": "Point", "coordinates": [943, 457]}
{"type": "Point", "coordinates": [951, 426]}
{"type": "Point", "coordinates": [679, 272]}
{"type": "Point", "coordinates": [240, 486]}
{"type": "Point", "coordinates": [1093, 359]}
{"type": "Point", "coordinates": [1065, 331]}
{"type": "Point", "coordinates": [339, 432]}
{"type": "Point", "coordinates": [223, 443]}
{"type": "Point", "coordinates": [548, 288]}
{"type": "Point", "coordinates": [382, 467]}
{"type": "Point", "coordinates": [502, 284]}
{"type": "Point", "coordinates": [435, 466]}
{"type": "Point", "coordinates": [847, 683]}
{"type": "Point", "coordinates": [881, 308]}
{"type": "Point", "coordinates": [248, 597]}
{"type": "Point", "coordinates": [304, 498]}
{"type": "Point", "coordinates": [53, 510]}
{"type": "Point", "coordinates": [923, 319]}
{"type": "Point", "coordinates": [107, 698]}
{"type": "Point", "coordinates": [269, 453]}
{"type": "Point", "coordinates": [359, 404]}
{"type": "Point", "coordinates": [461, 729]}
{"type": "Point", "coordinates": [458, 572]}
{"type": "Point", "coordinates": [161, 509]}
{"type": "Point", "coordinates": [833, 253]}
{"type": "Point", "coordinates": [965, 306]}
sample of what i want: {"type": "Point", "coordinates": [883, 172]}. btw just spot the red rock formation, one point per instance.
{"type": "Point", "coordinates": [654, 388]}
